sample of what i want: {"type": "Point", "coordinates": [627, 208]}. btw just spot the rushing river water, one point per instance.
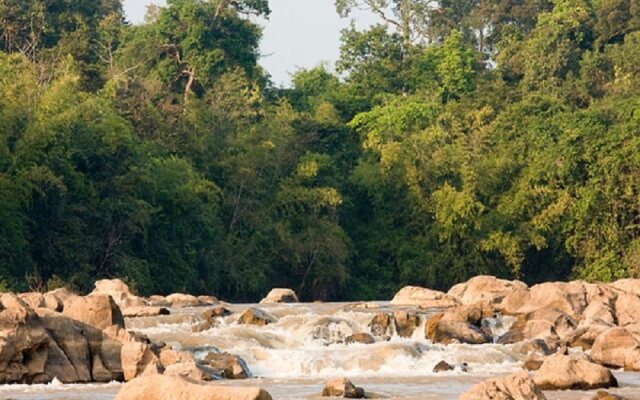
{"type": "Point", "coordinates": [294, 356]}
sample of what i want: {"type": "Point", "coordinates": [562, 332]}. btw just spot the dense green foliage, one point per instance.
{"type": "Point", "coordinates": [456, 138]}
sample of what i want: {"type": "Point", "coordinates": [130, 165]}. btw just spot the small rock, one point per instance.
{"type": "Point", "coordinates": [342, 387]}
{"type": "Point", "coordinates": [363, 338]}
{"type": "Point", "coordinates": [602, 395]}
{"type": "Point", "coordinates": [443, 366]}
{"type": "Point", "coordinates": [380, 324]}
{"type": "Point", "coordinates": [228, 366]}
{"type": "Point", "coordinates": [255, 316]}
{"type": "Point", "coordinates": [280, 296]}
{"type": "Point", "coordinates": [214, 313]}
{"type": "Point", "coordinates": [201, 327]}
{"type": "Point", "coordinates": [144, 311]}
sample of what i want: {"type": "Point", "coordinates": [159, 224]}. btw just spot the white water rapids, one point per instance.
{"type": "Point", "coordinates": [294, 356]}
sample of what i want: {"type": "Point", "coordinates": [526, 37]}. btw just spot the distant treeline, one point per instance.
{"type": "Point", "coordinates": [456, 138]}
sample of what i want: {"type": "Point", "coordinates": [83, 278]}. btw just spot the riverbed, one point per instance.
{"type": "Point", "coordinates": [294, 356]}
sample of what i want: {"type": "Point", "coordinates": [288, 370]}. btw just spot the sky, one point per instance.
{"type": "Point", "coordinates": [298, 34]}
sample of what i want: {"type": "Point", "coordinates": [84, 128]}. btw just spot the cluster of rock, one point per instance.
{"type": "Point", "coordinates": [81, 339]}
{"type": "Point", "coordinates": [550, 318]}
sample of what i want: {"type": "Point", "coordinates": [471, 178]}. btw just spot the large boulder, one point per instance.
{"type": "Point", "coordinates": [176, 387]}
{"type": "Point", "coordinates": [569, 297]}
{"type": "Point", "coordinates": [23, 342]}
{"type": "Point", "coordinates": [138, 359]}
{"type": "Point", "coordinates": [562, 372]}
{"type": "Point", "coordinates": [95, 310]}
{"type": "Point", "coordinates": [255, 316]}
{"type": "Point", "coordinates": [547, 324]}
{"type": "Point", "coordinates": [457, 325]}
{"type": "Point", "coordinates": [485, 289]}
{"type": "Point", "coordinates": [280, 296]}
{"type": "Point", "coordinates": [79, 353]}
{"type": "Point", "coordinates": [617, 348]}
{"type": "Point", "coordinates": [342, 387]}
{"type": "Point", "coordinates": [627, 309]}
{"type": "Point", "coordinates": [228, 366]}
{"type": "Point", "coordinates": [119, 292]}
{"type": "Point", "coordinates": [518, 386]}
{"type": "Point", "coordinates": [631, 286]}
{"type": "Point", "coordinates": [422, 297]}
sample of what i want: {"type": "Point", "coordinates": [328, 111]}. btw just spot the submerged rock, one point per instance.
{"type": "Point", "coordinates": [228, 366]}
{"type": "Point", "coordinates": [255, 316]}
{"type": "Point", "coordinates": [457, 325]}
{"type": "Point", "coordinates": [443, 366]}
{"type": "Point", "coordinates": [602, 395]}
{"type": "Point", "coordinates": [280, 296]}
{"type": "Point", "coordinates": [363, 338]}
{"type": "Point", "coordinates": [518, 386]}
{"type": "Point", "coordinates": [560, 372]}
{"type": "Point", "coordinates": [422, 297]}
{"type": "Point", "coordinates": [213, 314]}
{"type": "Point", "coordinates": [176, 387]}
{"type": "Point", "coordinates": [342, 387]}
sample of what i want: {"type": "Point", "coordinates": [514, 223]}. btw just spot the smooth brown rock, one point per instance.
{"type": "Point", "coordinates": [422, 297]}
{"type": "Point", "coordinates": [33, 299]}
{"type": "Point", "coordinates": [627, 309]}
{"type": "Point", "coordinates": [380, 324]}
{"type": "Point", "coordinates": [138, 360]}
{"type": "Point", "coordinates": [96, 310]}
{"type": "Point", "coordinates": [228, 366]}
{"type": "Point", "coordinates": [443, 366]}
{"type": "Point", "coordinates": [518, 386]}
{"type": "Point", "coordinates": [406, 323]}
{"type": "Point", "coordinates": [144, 311]}
{"type": "Point", "coordinates": [280, 296]}
{"type": "Point", "coordinates": [342, 387]}
{"type": "Point", "coordinates": [119, 292]}
{"type": "Point", "coordinates": [363, 338]}
{"type": "Point", "coordinates": [561, 372]}
{"type": "Point", "coordinates": [617, 348]}
{"type": "Point", "coordinates": [180, 300]}
{"type": "Point", "coordinates": [212, 314]}
{"type": "Point", "coordinates": [457, 325]}
{"type": "Point", "coordinates": [568, 297]}
{"type": "Point", "coordinates": [485, 288]}
{"type": "Point", "coordinates": [176, 387]}
{"type": "Point", "coordinates": [158, 301]}
{"type": "Point", "coordinates": [602, 395]}
{"type": "Point", "coordinates": [79, 352]}
{"type": "Point", "coordinates": [23, 342]}
{"type": "Point", "coordinates": [255, 316]}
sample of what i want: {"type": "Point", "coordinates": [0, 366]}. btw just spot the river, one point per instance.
{"type": "Point", "coordinates": [294, 356]}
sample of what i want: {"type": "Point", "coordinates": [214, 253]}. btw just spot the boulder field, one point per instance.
{"type": "Point", "coordinates": [81, 339]}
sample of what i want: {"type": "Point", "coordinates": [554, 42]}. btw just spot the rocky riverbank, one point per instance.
{"type": "Point", "coordinates": [572, 336]}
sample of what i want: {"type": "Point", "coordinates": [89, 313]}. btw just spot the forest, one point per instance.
{"type": "Point", "coordinates": [454, 138]}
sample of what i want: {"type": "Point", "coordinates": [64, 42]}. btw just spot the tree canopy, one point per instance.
{"type": "Point", "coordinates": [454, 138]}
